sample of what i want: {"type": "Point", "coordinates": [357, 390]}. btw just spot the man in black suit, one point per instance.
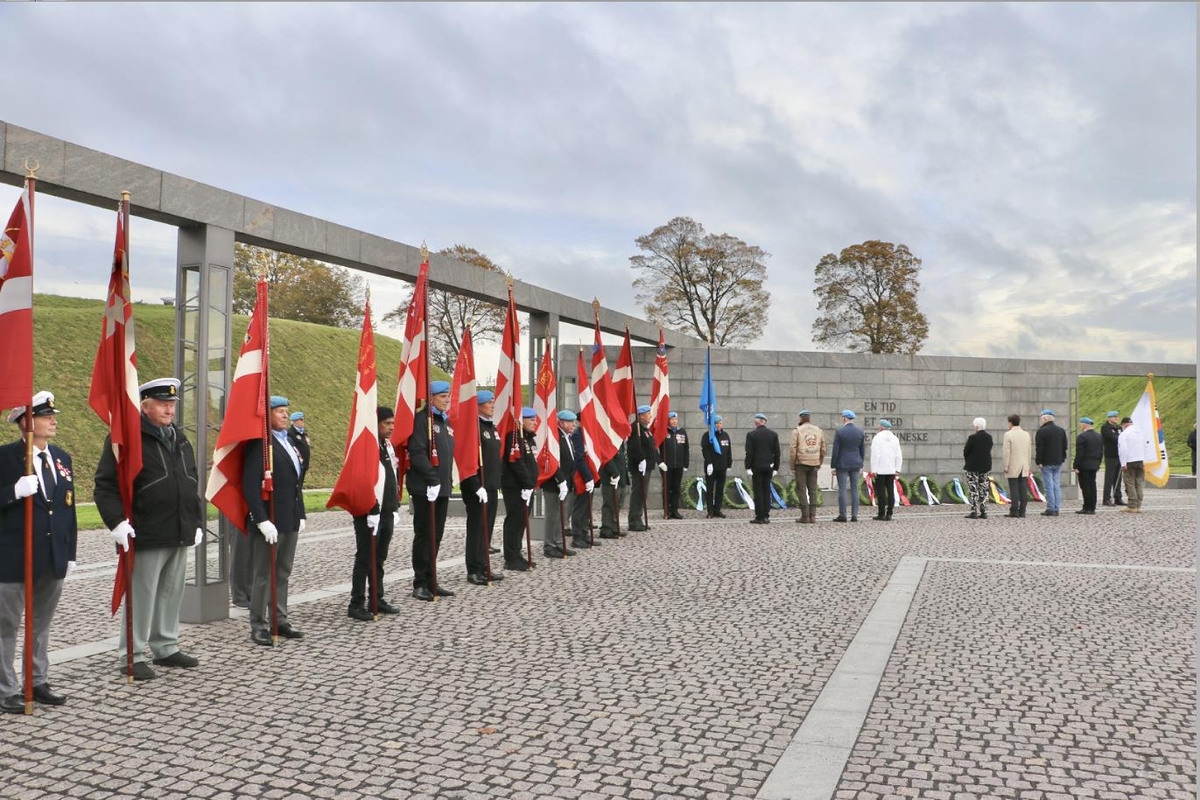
{"type": "Point", "coordinates": [281, 528]}
{"type": "Point", "coordinates": [298, 436]}
{"type": "Point", "coordinates": [54, 533]}
{"type": "Point", "coordinates": [479, 494]}
{"type": "Point", "coordinates": [762, 462]}
{"type": "Point", "coordinates": [429, 483]}
{"type": "Point", "coordinates": [518, 477]}
{"type": "Point", "coordinates": [557, 497]}
{"type": "Point", "coordinates": [379, 523]}
{"type": "Point", "coordinates": [1089, 452]}
{"type": "Point", "coordinates": [675, 455]}
{"type": "Point", "coordinates": [582, 486]}
{"type": "Point", "coordinates": [716, 465]}
{"type": "Point", "coordinates": [643, 457]}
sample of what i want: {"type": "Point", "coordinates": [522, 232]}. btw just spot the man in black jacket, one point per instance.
{"type": "Point", "coordinates": [479, 493]}
{"type": "Point", "coordinates": [643, 457]}
{"type": "Point", "coordinates": [170, 521]}
{"type": "Point", "coordinates": [52, 488]}
{"type": "Point", "coordinates": [675, 454]}
{"type": "Point", "coordinates": [518, 478]}
{"type": "Point", "coordinates": [1089, 450]}
{"type": "Point", "coordinates": [614, 482]}
{"type": "Point", "coordinates": [716, 465]}
{"type": "Point", "coordinates": [279, 524]}
{"type": "Point", "coordinates": [582, 486]}
{"type": "Point", "coordinates": [429, 482]}
{"type": "Point", "coordinates": [1110, 432]}
{"type": "Point", "coordinates": [298, 436]}
{"type": "Point", "coordinates": [557, 497]}
{"type": "Point", "coordinates": [1050, 453]}
{"type": "Point", "coordinates": [366, 586]}
{"type": "Point", "coordinates": [762, 463]}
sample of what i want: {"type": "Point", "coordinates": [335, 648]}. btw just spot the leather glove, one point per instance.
{"type": "Point", "coordinates": [708, 469]}
{"type": "Point", "coordinates": [749, 473]}
{"type": "Point", "coordinates": [122, 534]}
{"type": "Point", "coordinates": [642, 466]}
{"type": "Point", "coordinates": [269, 531]}
{"type": "Point", "coordinates": [562, 491]}
{"type": "Point", "coordinates": [526, 494]}
{"type": "Point", "coordinates": [303, 522]}
{"type": "Point", "coordinates": [662, 466]}
{"type": "Point", "coordinates": [589, 486]}
{"type": "Point", "coordinates": [26, 485]}
{"type": "Point", "coordinates": [199, 537]}
{"type": "Point", "coordinates": [70, 567]}
{"type": "Point", "coordinates": [395, 518]}
{"type": "Point", "coordinates": [373, 523]}
{"type": "Point", "coordinates": [481, 493]}
{"type": "Point", "coordinates": [615, 480]}
{"type": "Point", "coordinates": [432, 492]}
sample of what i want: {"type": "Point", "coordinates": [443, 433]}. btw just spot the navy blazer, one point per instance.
{"type": "Point", "coordinates": [582, 467]}
{"type": "Point", "coordinates": [54, 527]}
{"type": "Point", "coordinates": [288, 496]}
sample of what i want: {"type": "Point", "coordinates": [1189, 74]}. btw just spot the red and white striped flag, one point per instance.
{"type": "Point", "coordinates": [622, 381]}
{"type": "Point", "coordinates": [660, 403]}
{"type": "Point", "coordinates": [545, 434]}
{"type": "Point", "coordinates": [508, 379]}
{"type": "Point", "coordinates": [412, 384]}
{"type": "Point", "coordinates": [359, 486]}
{"type": "Point", "coordinates": [610, 413]}
{"type": "Point", "coordinates": [599, 447]}
{"type": "Point", "coordinates": [114, 392]}
{"type": "Point", "coordinates": [464, 410]}
{"type": "Point", "coordinates": [245, 418]}
{"type": "Point", "coordinates": [16, 305]}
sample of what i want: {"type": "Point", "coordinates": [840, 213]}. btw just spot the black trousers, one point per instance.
{"type": "Point", "coordinates": [762, 493]}
{"type": "Point", "coordinates": [581, 517]}
{"type": "Point", "coordinates": [637, 501]}
{"type": "Point", "coordinates": [885, 495]}
{"type": "Point", "coordinates": [514, 524]}
{"type": "Point", "coordinates": [1018, 493]}
{"type": "Point", "coordinates": [715, 486]}
{"type": "Point", "coordinates": [1112, 479]}
{"type": "Point", "coordinates": [674, 482]}
{"type": "Point", "coordinates": [481, 521]}
{"type": "Point", "coordinates": [423, 556]}
{"type": "Point", "coordinates": [361, 577]}
{"type": "Point", "coordinates": [1087, 487]}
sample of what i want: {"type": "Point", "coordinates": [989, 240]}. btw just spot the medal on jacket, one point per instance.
{"type": "Point", "coordinates": [70, 498]}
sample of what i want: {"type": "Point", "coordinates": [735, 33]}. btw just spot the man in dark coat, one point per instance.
{"type": "Point", "coordinates": [674, 463]}
{"type": "Point", "coordinates": [430, 483]}
{"type": "Point", "coordinates": [557, 497]}
{"type": "Point", "coordinates": [170, 521]}
{"type": "Point", "coordinates": [1050, 453]}
{"type": "Point", "coordinates": [518, 478]}
{"type": "Point", "coordinates": [298, 436]}
{"type": "Point", "coordinates": [479, 494]}
{"type": "Point", "coordinates": [716, 465]}
{"type": "Point", "coordinates": [762, 463]}
{"type": "Point", "coordinates": [379, 524]}
{"type": "Point", "coordinates": [279, 524]}
{"type": "Point", "coordinates": [642, 458]}
{"type": "Point", "coordinates": [1110, 432]}
{"type": "Point", "coordinates": [52, 488]}
{"type": "Point", "coordinates": [1089, 451]}
{"type": "Point", "coordinates": [582, 486]}
{"type": "Point", "coordinates": [614, 483]}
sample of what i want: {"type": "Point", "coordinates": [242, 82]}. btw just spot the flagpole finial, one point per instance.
{"type": "Point", "coordinates": [424, 251]}
{"type": "Point", "coordinates": [1150, 376]}
{"type": "Point", "coordinates": [596, 307]}
{"type": "Point", "coordinates": [31, 168]}
{"type": "Point", "coordinates": [125, 195]}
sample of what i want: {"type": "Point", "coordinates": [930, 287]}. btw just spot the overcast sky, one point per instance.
{"type": "Point", "coordinates": [1040, 159]}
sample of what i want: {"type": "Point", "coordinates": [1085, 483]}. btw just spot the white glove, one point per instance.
{"type": "Point", "coordinates": [395, 518]}
{"type": "Point", "coordinates": [562, 492]}
{"type": "Point", "coordinates": [199, 537]}
{"type": "Point", "coordinates": [373, 523]}
{"type": "Point", "coordinates": [662, 466]}
{"type": "Point", "coordinates": [302, 524]}
{"type": "Point", "coordinates": [642, 466]}
{"type": "Point", "coordinates": [589, 486]}
{"type": "Point", "coordinates": [70, 567]}
{"type": "Point", "coordinates": [774, 472]}
{"type": "Point", "coordinates": [708, 469]}
{"type": "Point", "coordinates": [529, 500]}
{"type": "Point", "coordinates": [431, 492]}
{"type": "Point", "coordinates": [122, 534]}
{"type": "Point", "coordinates": [481, 493]}
{"type": "Point", "coordinates": [685, 469]}
{"type": "Point", "coordinates": [26, 485]}
{"type": "Point", "coordinates": [749, 473]}
{"type": "Point", "coordinates": [615, 480]}
{"type": "Point", "coordinates": [269, 531]}
{"type": "Point", "coordinates": [526, 494]}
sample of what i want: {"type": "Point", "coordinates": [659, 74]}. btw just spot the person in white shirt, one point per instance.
{"type": "Point", "coordinates": [1131, 450]}
{"type": "Point", "coordinates": [886, 461]}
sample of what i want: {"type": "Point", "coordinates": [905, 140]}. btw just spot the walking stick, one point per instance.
{"type": "Point", "coordinates": [528, 541]}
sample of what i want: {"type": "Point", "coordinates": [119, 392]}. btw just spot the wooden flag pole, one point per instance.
{"type": "Point", "coordinates": [30, 183]}
{"type": "Point", "coordinates": [126, 566]}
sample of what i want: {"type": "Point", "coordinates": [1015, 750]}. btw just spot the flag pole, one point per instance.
{"type": "Point", "coordinates": [124, 562]}
{"type": "Point", "coordinates": [30, 184]}
{"type": "Point", "coordinates": [434, 459]}
{"type": "Point", "coordinates": [485, 537]}
{"type": "Point", "coordinates": [591, 522]}
{"type": "Point", "coordinates": [528, 540]}
{"type": "Point", "coordinates": [375, 532]}
{"type": "Point", "coordinates": [268, 483]}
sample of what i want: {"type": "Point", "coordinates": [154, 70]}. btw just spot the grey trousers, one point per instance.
{"type": "Point", "coordinates": [157, 588]}
{"type": "Point", "coordinates": [581, 519]}
{"type": "Point", "coordinates": [260, 587]}
{"type": "Point", "coordinates": [241, 572]}
{"type": "Point", "coordinates": [46, 591]}
{"type": "Point", "coordinates": [552, 536]}
{"type": "Point", "coordinates": [611, 498]}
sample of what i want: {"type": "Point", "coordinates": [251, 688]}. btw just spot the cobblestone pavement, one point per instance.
{"type": "Point", "coordinates": [679, 662]}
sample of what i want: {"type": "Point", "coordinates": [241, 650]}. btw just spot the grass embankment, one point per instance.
{"type": "Point", "coordinates": [1176, 398]}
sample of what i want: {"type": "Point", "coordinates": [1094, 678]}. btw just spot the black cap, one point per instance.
{"type": "Point", "coordinates": [385, 413]}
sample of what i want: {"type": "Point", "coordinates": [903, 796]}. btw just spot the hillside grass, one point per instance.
{"type": "Point", "coordinates": [1176, 398]}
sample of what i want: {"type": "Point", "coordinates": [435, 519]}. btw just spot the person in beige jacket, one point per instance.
{"type": "Point", "coordinates": [1017, 452]}
{"type": "Point", "coordinates": [808, 453]}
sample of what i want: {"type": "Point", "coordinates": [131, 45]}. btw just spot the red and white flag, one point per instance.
{"type": "Point", "coordinates": [412, 384]}
{"type": "Point", "coordinates": [545, 434]}
{"type": "Point", "coordinates": [599, 447]}
{"type": "Point", "coordinates": [114, 391]}
{"type": "Point", "coordinates": [245, 418]}
{"type": "Point", "coordinates": [359, 486]}
{"type": "Point", "coordinates": [16, 305]}
{"type": "Point", "coordinates": [660, 393]}
{"type": "Point", "coordinates": [610, 413]}
{"type": "Point", "coordinates": [622, 381]}
{"type": "Point", "coordinates": [508, 379]}
{"type": "Point", "coordinates": [464, 410]}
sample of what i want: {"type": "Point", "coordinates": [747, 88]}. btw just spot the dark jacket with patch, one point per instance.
{"type": "Point", "coordinates": [54, 528]}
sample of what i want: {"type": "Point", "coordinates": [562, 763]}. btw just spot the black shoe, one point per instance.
{"type": "Point", "coordinates": [385, 607]}
{"type": "Point", "coordinates": [580, 544]}
{"type": "Point", "coordinates": [676, 515]}
{"type": "Point", "coordinates": [421, 593]}
{"type": "Point", "coordinates": [1047, 513]}
{"type": "Point", "coordinates": [854, 519]}
{"type": "Point", "coordinates": [1119, 503]}
{"type": "Point", "coordinates": [13, 704]}
{"type": "Point", "coordinates": [515, 566]}
{"type": "Point", "coordinates": [557, 554]}
{"type": "Point", "coordinates": [258, 637]}
{"type": "Point", "coordinates": [1013, 514]}
{"type": "Point", "coordinates": [440, 592]}
{"type": "Point", "coordinates": [493, 550]}
{"type": "Point", "coordinates": [973, 515]}
{"type": "Point", "coordinates": [983, 515]}
{"type": "Point", "coordinates": [720, 515]}
{"type": "Point", "coordinates": [609, 536]}
{"type": "Point", "coordinates": [591, 543]}
{"type": "Point", "coordinates": [42, 694]}
{"type": "Point", "coordinates": [839, 518]}
{"type": "Point", "coordinates": [476, 579]}
{"type": "Point", "coordinates": [756, 521]}
{"type": "Point", "coordinates": [360, 613]}
{"type": "Point", "coordinates": [496, 576]}
{"type": "Point", "coordinates": [879, 519]}
{"type": "Point", "coordinates": [288, 632]}
{"type": "Point", "coordinates": [176, 659]}
{"type": "Point", "coordinates": [1108, 502]}
{"type": "Point", "coordinates": [637, 529]}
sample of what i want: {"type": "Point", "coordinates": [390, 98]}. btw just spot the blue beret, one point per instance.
{"type": "Point", "coordinates": [672, 415]}
{"type": "Point", "coordinates": [1086, 420]}
{"type": "Point", "coordinates": [848, 414]}
{"type": "Point", "coordinates": [278, 401]}
{"type": "Point", "coordinates": [884, 423]}
{"type": "Point", "coordinates": [760, 415]}
{"type": "Point", "coordinates": [643, 409]}
{"type": "Point", "coordinates": [804, 412]}
{"type": "Point", "coordinates": [567, 416]}
{"type": "Point", "coordinates": [718, 418]}
{"type": "Point", "coordinates": [439, 387]}
{"type": "Point", "coordinates": [1113, 414]}
{"type": "Point", "coordinates": [296, 415]}
{"type": "Point", "coordinates": [484, 396]}
{"type": "Point", "coordinates": [1047, 412]}
{"type": "Point", "coordinates": [528, 413]}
